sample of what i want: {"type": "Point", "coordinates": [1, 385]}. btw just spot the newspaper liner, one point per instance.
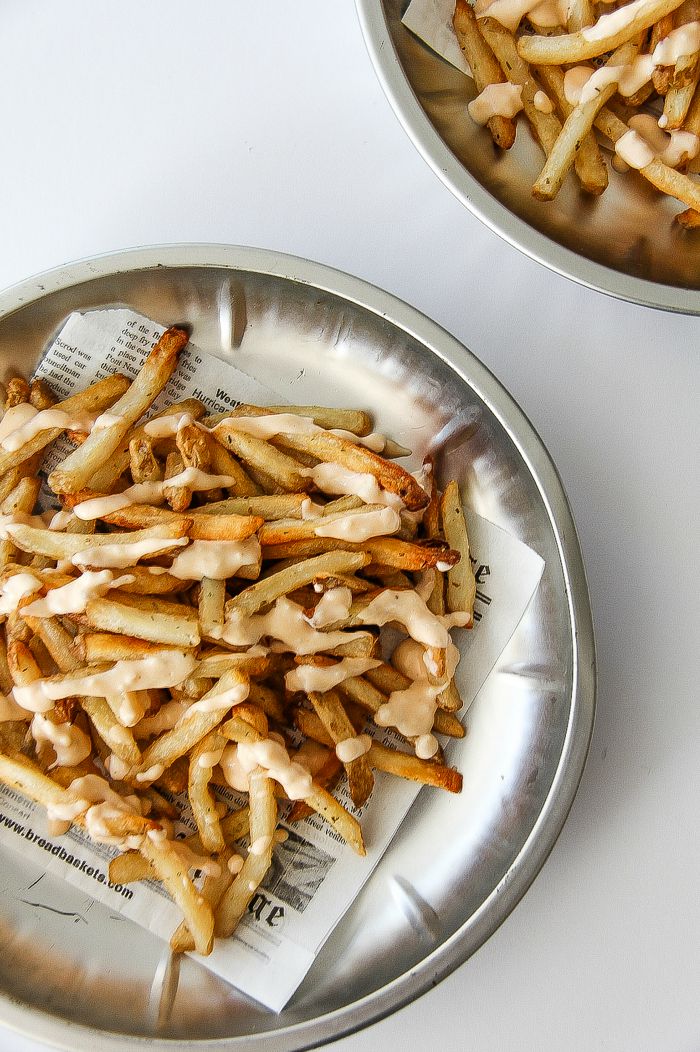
{"type": "Point", "coordinates": [314, 877]}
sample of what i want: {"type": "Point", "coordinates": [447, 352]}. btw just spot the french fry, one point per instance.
{"type": "Point", "coordinates": [485, 69]}
{"type": "Point", "coordinates": [263, 819]}
{"type": "Point", "coordinates": [77, 469]}
{"type": "Point", "coordinates": [330, 711]}
{"type": "Point", "coordinates": [461, 583]}
{"type": "Point", "coordinates": [263, 456]}
{"type": "Point", "coordinates": [384, 551]}
{"type": "Point", "coordinates": [203, 758]}
{"type": "Point", "coordinates": [173, 744]}
{"type": "Point", "coordinates": [266, 591]}
{"type": "Point", "coordinates": [143, 463]}
{"type": "Point", "coordinates": [577, 126]}
{"type": "Point", "coordinates": [323, 416]}
{"type": "Point", "coordinates": [546, 126]}
{"type": "Point", "coordinates": [145, 620]}
{"type": "Point", "coordinates": [101, 395]}
{"type": "Point", "coordinates": [16, 392]}
{"type": "Point", "coordinates": [109, 472]}
{"type": "Point", "coordinates": [63, 546]}
{"type": "Point", "coordinates": [330, 448]}
{"type": "Point", "coordinates": [597, 40]}
{"type": "Point", "coordinates": [172, 871]}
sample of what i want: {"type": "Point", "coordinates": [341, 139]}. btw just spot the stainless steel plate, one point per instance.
{"type": "Point", "coordinates": [623, 243]}
{"type": "Point", "coordinates": [318, 335]}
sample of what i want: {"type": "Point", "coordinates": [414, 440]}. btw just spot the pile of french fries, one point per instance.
{"type": "Point", "coordinates": [571, 134]}
{"type": "Point", "coordinates": [124, 708]}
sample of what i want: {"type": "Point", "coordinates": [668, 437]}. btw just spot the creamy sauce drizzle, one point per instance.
{"type": "Point", "coordinates": [217, 560]}
{"type": "Point", "coordinates": [496, 100]}
{"type": "Point", "coordinates": [15, 589]}
{"type": "Point", "coordinates": [284, 622]}
{"type": "Point", "coordinates": [360, 527]}
{"type": "Point", "coordinates": [163, 720]}
{"type": "Point", "coordinates": [339, 481]}
{"type": "Point", "coordinates": [509, 13]}
{"type": "Point", "coordinates": [411, 611]}
{"type": "Point", "coordinates": [120, 555]}
{"type": "Point", "coordinates": [542, 102]}
{"type": "Point", "coordinates": [70, 744]}
{"type": "Point", "coordinates": [42, 420]}
{"type": "Point", "coordinates": [240, 760]}
{"type": "Point", "coordinates": [218, 702]}
{"type": "Point", "coordinates": [165, 668]}
{"type": "Point", "coordinates": [312, 678]}
{"type": "Point", "coordinates": [72, 598]}
{"type": "Point", "coordinates": [352, 748]}
{"type": "Point", "coordinates": [334, 605]}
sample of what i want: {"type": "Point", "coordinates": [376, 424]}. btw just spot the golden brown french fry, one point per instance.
{"type": "Point", "coordinates": [67, 546]}
{"type": "Point", "coordinates": [330, 448]}
{"type": "Point", "coordinates": [383, 551]}
{"type": "Point", "coordinates": [105, 477]}
{"type": "Point", "coordinates": [16, 392]}
{"type": "Point", "coordinates": [231, 689]}
{"type": "Point", "coordinates": [263, 456]}
{"type": "Point", "coordinates": [355, 420]}
{"type": "Point", "coordinates": [485, 69]}
{"type": "Point", "coordinates": [330, 711]}
{"type": "Point", "coordinates": [145, 618]}
{"type": "Point", "coordinates": [170, 868]}
{"type": "Point", "coordinates": [666, 179]}
{"type": "Point", "coordinates": [212, 596]}
{"type": "Point", "coordinates": [21, 500]}
{"type": "Point", "coordinates": [596, 40]}
{"type": "Point", "coordinates": [252, 599]}
{"type": "Point", "coordinates": [213, 890]}
{"type": "Point", "coordinates": [40, 395]}
{"type": "Point", "coordinates": [577, 126]}
{"type": "Point", "coordinates": [203, 758]}
{"type": "Point", "coordinates": [99, 396]}
{"type": "Point", "coordinates": [263, 820]}
{"type": "Point", "coordinates": [143, 463]}
{"type": "Point", "coordinates": [546, 126]}
{"type": "Point", "coordinates": [77, 469]}
{"type": "Point", "coordinates": [680, 93]}
{"type": "Point", "coordinates": [461, 583]}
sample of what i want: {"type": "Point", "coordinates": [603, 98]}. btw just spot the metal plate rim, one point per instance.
{"type": "Point", "coordinates": [505, 896]}
{"type": "Point", "coordinates": [501, 220]}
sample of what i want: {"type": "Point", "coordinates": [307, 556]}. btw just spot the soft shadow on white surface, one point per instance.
{"type": "Point", "coordinates": [254, 122]}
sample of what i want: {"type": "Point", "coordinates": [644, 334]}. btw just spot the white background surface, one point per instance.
{"type": "Point", "coordinates": [273, 131]}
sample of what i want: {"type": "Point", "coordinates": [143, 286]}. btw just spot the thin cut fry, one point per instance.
{"type": "Point", "coordinates": [589, 43]}
{"type": "Point", "coordinates": [76, 470]}
{"type": "Point", "coordinates": [485, 69]}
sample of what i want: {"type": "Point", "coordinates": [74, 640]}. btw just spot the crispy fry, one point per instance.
{"type": "Point", "coordinates": [266, 591]}
{"type": "Point", "coordinates": [485, 69]}
{"type": "Point", "coordinates": [67, 546]}
{"type": "Point", "coordinates": [576, 47]}
{"type": "Point", "coordinates": [577, 126]}
{"type": "Point", "coordinates": [461, 583]}
{"type": "Point", "coordinates": [263, 819]}
{"type": "Point", "coordinates": [141, 616]}
{"type": "Point", "coordinates": [334, 718]}
{"type": "Point", "coordinates": [77, 469]}
{"type": "Point", "coordinates": [172, 870]}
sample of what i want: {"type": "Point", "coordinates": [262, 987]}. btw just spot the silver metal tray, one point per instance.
{"type": "Point", "coordinates": [623, 243]}
{"type": "Point", "coordinates": [72, 973]}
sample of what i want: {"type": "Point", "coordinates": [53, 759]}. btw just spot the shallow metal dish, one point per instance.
{"type": "Point", "coordinates": [82, 977]}
{"type": "Point", "coordinates": [623, 243]}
